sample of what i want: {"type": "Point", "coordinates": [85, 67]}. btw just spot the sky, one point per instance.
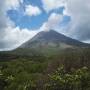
{"type": "Point", "coordinates": [20, 20]}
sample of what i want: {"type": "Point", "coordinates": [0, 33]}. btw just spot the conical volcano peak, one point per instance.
{"type": "Point", "coordinates": [49, 35]}
{"type": "Point", "coordinates": [49, 32]}
{"type": "Point", "coordinates": [52, 38]}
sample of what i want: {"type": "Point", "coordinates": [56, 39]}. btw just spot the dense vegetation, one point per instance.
{"type": "Point", "coordinates": [74, 80]}
{"type": "Point", "coordinates": [67, 70]}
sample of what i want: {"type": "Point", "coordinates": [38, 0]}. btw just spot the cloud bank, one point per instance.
{"type": "Point", "coordinates": [10, 35]}
{"type": "Point", "coordinates": [80, 18]}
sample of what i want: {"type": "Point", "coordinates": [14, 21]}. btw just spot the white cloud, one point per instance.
{"type": "Point", "coordinates": [80, 19]}
{"type": "Point", "coordinates": [11, 36]}
{"type": "Point", "coordinates": [32, 10]}
{"type": "Point", "coordinates": [14, 37]}
{"type": "Point", "coordinates": [52, 22]}
{"type": "Point", "coordinates": [13, 4]}
{"type": "Point", "coordinates": [52, 4]}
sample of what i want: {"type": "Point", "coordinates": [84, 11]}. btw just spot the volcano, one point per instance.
{"type": "Point", "coordinates": [52, 39]}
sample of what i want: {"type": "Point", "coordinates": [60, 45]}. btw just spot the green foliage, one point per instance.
{"type": "Point", "coordinates": [22, 71]}
{"type": "Point", "coordinates": [21, 74]}
{"type": "Point", "coordinates": [75, 80]}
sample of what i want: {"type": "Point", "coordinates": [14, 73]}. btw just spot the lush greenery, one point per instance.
{"type": "Point", "coordinates": [74, 80]}
{"type": "Point", "coordinates": [66, 70]}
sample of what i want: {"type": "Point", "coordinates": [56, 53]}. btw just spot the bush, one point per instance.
{"type": "Point", "coordinates": [75, 80]}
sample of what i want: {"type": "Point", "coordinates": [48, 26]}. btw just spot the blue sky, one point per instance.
{"type": "Point", "coordinates": [33, 22]}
